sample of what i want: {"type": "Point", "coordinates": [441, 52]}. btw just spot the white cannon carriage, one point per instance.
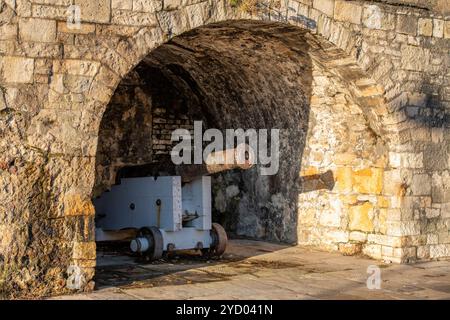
{"type": "Point", "coordinates": [168, 213]}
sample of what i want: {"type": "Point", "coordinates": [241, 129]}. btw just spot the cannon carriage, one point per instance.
{"type": "Point", "coordinates": [168, 213]}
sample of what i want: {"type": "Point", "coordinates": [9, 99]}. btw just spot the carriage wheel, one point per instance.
{"type": "Point", "coordinates": [155, 241]}
{"type": "Point", "coordinates": [219, 240]}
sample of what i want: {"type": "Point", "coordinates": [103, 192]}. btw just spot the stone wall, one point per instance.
{"type": "Point", "coordinates": [56, 81]}
{"type": "Point", "coordinates": [340, 141]}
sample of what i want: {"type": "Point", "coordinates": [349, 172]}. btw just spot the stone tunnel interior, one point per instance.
{"type": "Point", "coordinates": [252, 75]}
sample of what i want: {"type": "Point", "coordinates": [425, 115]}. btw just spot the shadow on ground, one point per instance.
{"type": "Point", "coordinates": [257, 270]}
{"type": "Point", "coordinates": [117, 267]}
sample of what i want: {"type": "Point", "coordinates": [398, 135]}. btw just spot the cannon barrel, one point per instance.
{"type": "Point", "coordinates": [241, 157]}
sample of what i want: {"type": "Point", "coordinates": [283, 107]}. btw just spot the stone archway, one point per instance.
{"type": "Point", "coordinates": [72, 79]}
{"type": "Point", "coordinates": [230, 75]}
{"type": "Point", "coordinates": [247, 74]}
{"type": "Point", "coordinates": [70, 208]}
{"type": "Point", "coordinates": [216, 71]}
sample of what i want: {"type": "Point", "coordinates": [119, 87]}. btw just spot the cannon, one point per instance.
{"type": "Point", "coordinates": [167, 213]}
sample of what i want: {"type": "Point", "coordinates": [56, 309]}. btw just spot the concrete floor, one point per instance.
{"type": "Point", "coordinates": [260, 270]}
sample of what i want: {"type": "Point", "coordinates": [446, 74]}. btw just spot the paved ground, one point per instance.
{"type": "Point", "coordinates": [260, 270]}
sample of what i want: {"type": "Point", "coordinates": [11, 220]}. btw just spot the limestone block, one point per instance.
{"type": "Point", "coordinates": [76, 67]}
{"type": "Point", "coordinates": [173, 4]}
{"type": "Point", "coordinates": [94, 11]}
{"type": "Point", "coordinates": [38, 30]}
{"type": "Point", "coordinates": [85, 263]}
{"type": "Point", "coordinates": [421, 185]}
{"type": "Point", "coordinates": [395, 159]}
{"type": "Point", "coordinates": [84, 250]}
{"type": "Point", "coordinates": [440, 250]}
{"type": "Point", "coordinates": [368, 181]}
{"type": "Point", "coordinates": [441, 188]}
{"type": "Point", "coordinates": [23, 7]}
{"type": "Point", "coordinates": [371, 90]}
{"type": "Point", "coordinates": [425, 27]}
{"type": "Point", "coordinates": [360, 217]}
{"type": "Point", "coordinates": [392, 176]}
{"type": "Point", "coordinates": [373, 251]}
{"type": "Point", "coordinates": [8, 32]}
{"type": "Point", "coordinates": [372, 16]}
{"type": "Point", "coordinates": [358, 236]}
{"type": "Point", "coordinates": [432, 239]}
{"type": "Point", "coordinates": [330, 218]}
{"type": "Point", "coordinates": [390, 241]}
{"type": "Point", "coordinates": [414, 58]}
{"type": "Point", "coordinates": [196, 14]}
{"type": "Point", "coordinates": [50, 12]}
{"type": "Point", "coordinates": [85, 28]}
{"type": "Point", "coordinates": [422, 133]}
{"type": "Point", "coordinates": [423, 252]}
{"type": "Point", "coordinates": [394, 192]}
{"type": "Point", "coordinates": [132, 18]}
{"type": "Point", "coordinates": [414, 241]}
{"type": "Point", "coordinates": [447, 29]}
{"type": "Point", "coordinates": [445, 208]}
{"type": "Point", "coordinates": [405, 253]}
{"type": "Point", "coordinates": [394, 213]}
{"type": "Point", "coordinates": [147, 5]}
{"type": "Point", "coordinates": [417, 99]}
{"type": "Point", "coordinates": [326, 6]}
{"type": "Point", "coordinates": [3, 104]}
{"type": "Point", "coordinates": [75, 205]}
{"type": "Point", "coordinates": [407, 24]}
{"type": "Point", "coordinates": [444, 237]}
{"type": "Point", "coordinates": [17, 70]}
{"type": "Point", "coordinates": [173, 22]}
{"type": "Point", "coordinates": [412, 111]}
{"type": "Point", "coordinates": [403, 228]}
{"type": "Point", "coordinates": [436, 157]}
{"type": "Point", "coordinates": [383, 202]}
{"type": "Point", "coordinates": [107, 77]}
{"type": "Point", "coordinates": [347, 11]}
{"type": "Point", "coordinates": [437, 135]}
{"type": "Point", "coordinates": [53, 2]}
{"type": "Point", "coordinates": [350, 249]}
{"type": "Point", "coordinates": [305, 217]}
{"type": "Point", "coordinates": [406, 160]}
{"type": "Point", "coordinates": [336, 236]}
{"type": "Point", "coordinates": [387, 251]}
{"type": "Point", "coordinates": [344, 179]}
{"type": "Point", "coordinates": [432, 213]}
{"type": "Point", "coordinates": [382, 218]}
{"type": "Point", "coordinates": [438, 28]}
{"type": "Point", "coordinates": [122, 4]}
{"type": "Point", "coordinates": [143, 40]}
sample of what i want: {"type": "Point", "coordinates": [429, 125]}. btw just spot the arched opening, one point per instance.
{"type": "Point", "coordinates": [254, 75]}
{"type": "Point", "coordinates": [55, 87]}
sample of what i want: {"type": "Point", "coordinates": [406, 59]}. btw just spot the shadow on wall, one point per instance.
{"type": "Point", "coordinates": [427, 117]}
{"type": "Point", "coordinates": [428, 112]}
{"type": "Point", "coordinates": [230, 75]}
{"type": "Point", "coordinates": [425, 105]}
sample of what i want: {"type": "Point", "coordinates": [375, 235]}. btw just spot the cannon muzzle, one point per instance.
{"type": "Point", "coordinates": [241, 157]}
